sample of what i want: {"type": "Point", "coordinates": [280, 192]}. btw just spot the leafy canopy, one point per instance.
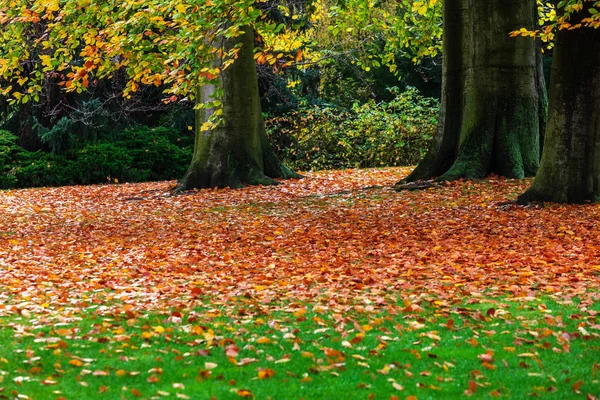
{"type": "Point", "coordinates": [553, 17]}
{"type": "Point", "coordinates": [172, 43]}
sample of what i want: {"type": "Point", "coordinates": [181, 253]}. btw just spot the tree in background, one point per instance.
{"type": "Point", "coordinates": [493, 95]}
{"type": "Point", "coordinates": [570, 166]}
{"type": "Point", "coordinates": [235, 151]}
{"type": "Point", "coordinates": [164, 43]}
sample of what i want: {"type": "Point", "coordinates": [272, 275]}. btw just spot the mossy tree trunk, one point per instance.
{"type": "Point", "coordinates": [237, 152]}
{"type": "Point", "coordinates": [570, 166]}
{"type": "Point", "coordinates": [493, 96]}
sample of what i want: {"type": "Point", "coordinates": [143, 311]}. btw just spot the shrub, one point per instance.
{"type": "Point", "coordinates": [369, 135]}
{"type": "Point", "coordinates": [9, 153]}
{"type": "Point", "coordinates": [135, 155]}
{"type": "Point", "coordinates": [157, 153]}
{"type": "Point", "coordinates": [102, 162]}
{"type": "Point", "coordinates": [59, 138]}
{"type": "Point", "coordinates": [43, 169]}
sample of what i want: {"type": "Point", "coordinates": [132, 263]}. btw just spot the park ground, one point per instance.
{"type": "Point", "coordinates": [332, 286]}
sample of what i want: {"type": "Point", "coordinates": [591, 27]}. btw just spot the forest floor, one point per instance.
{"type": "Point", "coordinates": [331, 286]}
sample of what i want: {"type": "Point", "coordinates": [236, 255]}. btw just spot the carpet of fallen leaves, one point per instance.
{"type": "Point", "coordinates": [341, 242]}
{"type": "Point", "coordinates": [335, 235]}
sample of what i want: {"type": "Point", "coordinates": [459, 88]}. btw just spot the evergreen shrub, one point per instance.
{"type": "Point", "coordinates": [393, 133]}
{"type": "Point", "coordinates": [9, 153]}
{"type": "Point", "coordinates": [134, 155]}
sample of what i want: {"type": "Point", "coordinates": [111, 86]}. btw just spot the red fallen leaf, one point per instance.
{"type": "Point", "coordinates": [102, 389]}
{"type": "Point", "coordinates": [472, 386]}
{"type": "Point", "coordinates": [358, 338]}
{"type": "Point", "coordinates": [491, 312]}
{"type": "Point", "coordinates": [495, 393]}
{"type": "Point", "coordinates": [136, 392]}
{"type": "Point", "coordinates": [576, 386]}
{"type": "Point", "coordinates": [333, 353]}
{"type": "Point", "coordinates": [244, 393]}
{"type": "Point", "coordinates": [196, 291]}
{"type": "Point", "coordinates": [475, 373]}
{"type": "Point", "coordinates": [203, 374]}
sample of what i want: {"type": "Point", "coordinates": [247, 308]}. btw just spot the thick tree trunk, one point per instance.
{"type": "Point", "coordinates": [237, 152]}
{"type": "Point", "coordinates": [492, 94]}
{"type": "Point", "coordinates": [570, 167]}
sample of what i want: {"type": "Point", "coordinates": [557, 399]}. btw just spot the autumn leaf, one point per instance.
{"type": "Point", "coordinates": [265, 373]}
{"type": "Point", "coordinates": [244, 393]}
{"type": "Point", "coordinates": [577, 386]}
{"type": "Point", "coordinates": [351, 279]}
{"type": "Point", "coordinates": [76, 362]}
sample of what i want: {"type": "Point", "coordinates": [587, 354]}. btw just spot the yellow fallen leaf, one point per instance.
{"type": "Point", "coordinates": [76, 362]}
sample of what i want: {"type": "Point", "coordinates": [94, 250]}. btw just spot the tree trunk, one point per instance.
{"type": "Point", "coordinates": [492, 94]}
{"type": "Point", "coordinates": [570, 167]}
{"type": "Point", "coordinates": [237, 152]}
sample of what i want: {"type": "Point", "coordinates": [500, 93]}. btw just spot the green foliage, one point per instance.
{"type": "Point", "coordinates": [370, 135]}
{"type": "Point", "coordinates": [103, 162]}
{"type": "Point", "coordinates": [9, 151]}
{"type": "Point", "coordinates": [34, 169]}
{"type": "Point", "coordinates": [59, 137]}
{"type": "Point", "coordinates": [156, 153]}
{"type": "Point", "coordinates": [139, 154]}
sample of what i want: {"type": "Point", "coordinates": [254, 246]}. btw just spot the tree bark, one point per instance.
{"type": "Point", "coordinates": [492, 94]}
{"type": "Point", "coordinates": [236, 152]}
{"type": "Point", "coordinates": [570, 166]}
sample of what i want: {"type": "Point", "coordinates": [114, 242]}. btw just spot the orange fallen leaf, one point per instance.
{"type": "Point", "coordinates": [76, 362]}
{"type": "Point", "coordinates": [265, 373]}
{"type": "Point", "coordinates": [244, 393]}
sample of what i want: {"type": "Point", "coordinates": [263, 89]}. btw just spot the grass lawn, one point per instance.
{"type": "Point", "coordinates": [329, 287]}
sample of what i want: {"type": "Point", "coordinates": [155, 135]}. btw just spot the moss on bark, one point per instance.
{"type": "Point", "coordinates": [237, 152]}
{"type": "Point", "coordinates": [492, 94]}
{"type": "Point", "coordinates": [570, 166]}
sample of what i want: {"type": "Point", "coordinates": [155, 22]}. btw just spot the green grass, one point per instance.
{"type": "Point", "coordinates": [501, 348]}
